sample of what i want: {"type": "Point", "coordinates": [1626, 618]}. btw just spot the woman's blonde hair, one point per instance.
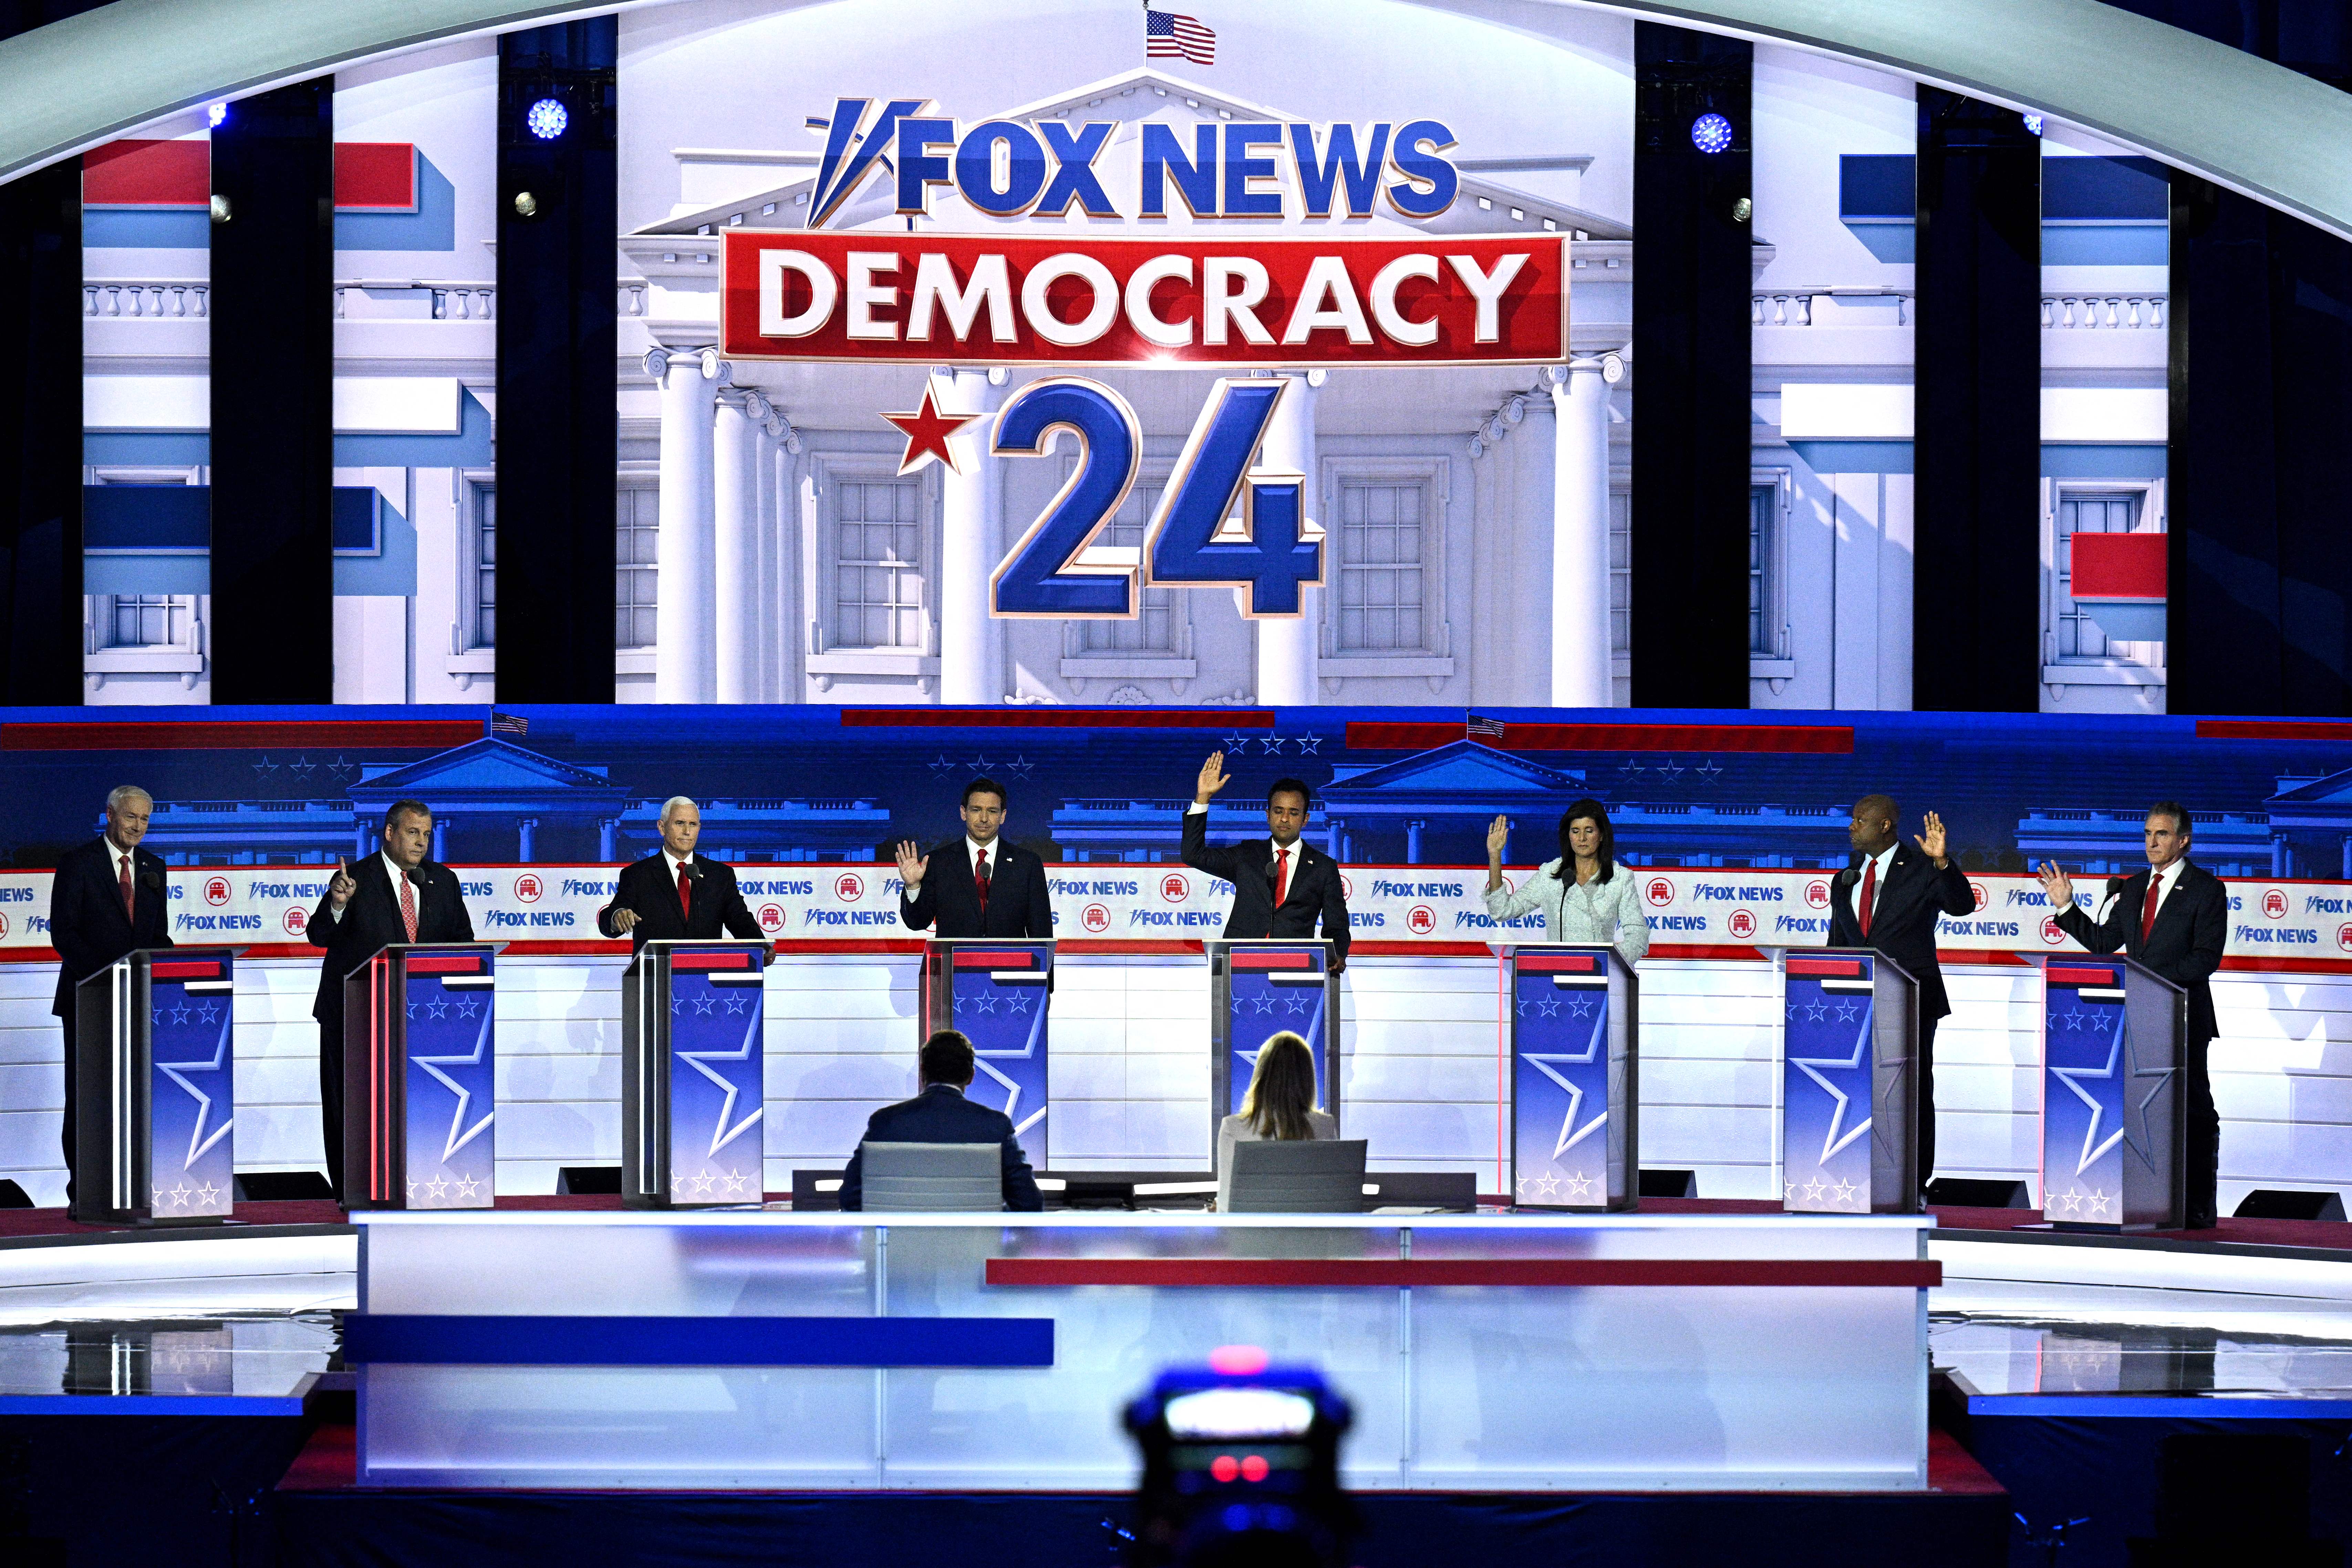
{"type": "Point", "coordinates": [1281, 1091]}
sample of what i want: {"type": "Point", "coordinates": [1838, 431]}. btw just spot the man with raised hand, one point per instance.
{"type": "Point", "coordinates": [1281, 885]}
{"type": "Point", "coordinates": [977, 885]}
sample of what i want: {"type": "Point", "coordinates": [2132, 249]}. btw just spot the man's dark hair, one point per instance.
{"type": "Point", "coordinates": [946, 1059]}
{"type": "Point", "coordinates": [984, 785]}
{"type": "Point", "coordinates": [400, 808]}
{"type": "Point", "coordinates": [2178, 811]}
{"type": "Point", "coordinates": [1292, 786]}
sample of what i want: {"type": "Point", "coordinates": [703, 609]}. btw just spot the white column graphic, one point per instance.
{"type": "Point", "coordinates": [1580, 534]}
{"type": "Point", "coordinates": [1529, 428]}
{"type": "Point", "coordinates": [971, 645]}
{"type": "Point", "coordinates": [1286, 648]}
{"type": "Point", "coordinates": [686, 656]}
{"type": "Point", "coordinates": [735, 504]}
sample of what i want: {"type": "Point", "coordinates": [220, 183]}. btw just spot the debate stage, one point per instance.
{"type": "Point", "coordinates": [2049, 1370]}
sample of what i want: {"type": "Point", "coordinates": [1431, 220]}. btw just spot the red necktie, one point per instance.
{"type": "Point", "coordinates": [1869, 893]}
{"type": "Point", "coordinates": [2147, 910]}
{"type": "Point", "coordinates": [1281, 877]}
{"type": "Point", "coordinates": [408, 905]}
{"type": "Point", "coordinates": [130, 908]}
{"type": "Point", "coordinates": [685, 893]}
{"type": "Point", "coordinates": [979, 880]}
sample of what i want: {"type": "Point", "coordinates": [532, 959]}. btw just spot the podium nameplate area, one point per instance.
{"type": "Point", "coordinates": [420, 1077]}
{"type": "Point", "coordinates": [1848, 1105]}
{"type": "Point", "coordinates": [2112, 1137]}
{"type": "Point", "coordinates": [1572, 1024]}
{"type": "Point", "coordinates": [693, 1060]}
{"type": "Point", "coordinates": [997, 995]}
{"type": "Point", "coordinates": [156, 1102]}
{"type": "Point", "coordinates": [1257, 990]}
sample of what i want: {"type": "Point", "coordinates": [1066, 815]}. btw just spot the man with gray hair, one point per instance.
{"type": "Point", "coordinates": [106, 897]}
{"type": "Point", "coordinates": [674, 893]}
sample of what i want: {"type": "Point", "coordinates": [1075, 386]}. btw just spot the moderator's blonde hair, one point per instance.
{"type": "Point", "coordinates": [1281, 1089]}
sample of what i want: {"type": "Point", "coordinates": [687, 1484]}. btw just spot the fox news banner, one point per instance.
{"type": "Point", "coordinates": [2280, 923]}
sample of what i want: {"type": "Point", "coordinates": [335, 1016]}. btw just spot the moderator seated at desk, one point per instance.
{"type": "Point", "coordinates": [940, 1114]}
{"type": "Point", "coordinates": [1279, 1105]}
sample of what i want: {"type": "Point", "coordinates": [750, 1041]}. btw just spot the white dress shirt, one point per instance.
{"type": "Point", "coordinates": [1883, 860]}
{"type": "Point", "coordinates": [2163, 882]}
{"type": "Point", "coordinates": [674, 865]}
{"type": "Point", "coordinates": [994, 849]}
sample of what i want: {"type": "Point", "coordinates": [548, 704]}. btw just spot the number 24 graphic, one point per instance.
{"type": "Point", "coordinates": [1055, 571]}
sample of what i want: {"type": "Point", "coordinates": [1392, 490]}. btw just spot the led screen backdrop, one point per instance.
{"type": "Point", "coordinates": [1033, 354]}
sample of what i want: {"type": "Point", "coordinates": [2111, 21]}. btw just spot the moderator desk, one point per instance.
{"type": "Point", "coordinates": [1487, 1353]}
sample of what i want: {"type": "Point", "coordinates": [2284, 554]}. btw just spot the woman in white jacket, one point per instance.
{"type": "Point", "coordinates": [1582, 895]}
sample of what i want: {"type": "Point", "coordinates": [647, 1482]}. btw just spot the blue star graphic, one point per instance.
{"type": "Point", "coordinates": [1527, 1008]}
{"type": "Point", "coordinates": [737, 1003]}
{"type": "Point", "coordinates": [1580, 1006]}
{"type": "Point", "coordinates": [1669, 769]}
{"type": "Point", "coordinates": [941, 765]}
{"type": "Point", "coordinates": [181, 1014]}
{"type": "Point", "coordinates": [1631, 766]}
{"type": "Point", "coordinates": [1263, 1003]}
{"type": "Point", "coordinates": [1306, 745]}
{"type": "Point", "coordinates": [1813, 1067]}
{"type": "Point", "coordinates": [703, 1005]}
{"type": "Point", "coordinates": [208, 1014]}
{"type": "Point", "coordinates": [1237, 743]}
{"type": "Point", "coordinates": [677, 1004]}
{"type": "Point", "coordinates": [1301, 1004]}
{"type": "Point", "coordinates": [469, 1006]}
{"type": "Point", "coordinates": [1019, 766]}
{"type": "Point", "coordinates": [1815, 1012]}
{"type": "Point", "coordinates": [2092, 1147]}
{"type": "Point", "coordinates": [1847, 1012]}
{"type": "Point", "coordinates": [437, 1006]}
{"type": "Point", "coordinates": [1549, 1007]}
{"type": "Point", "coordinates": [984, 1003]}
{"type": "Point", "coordinates": [1269, 743]}
{"type": "Point", "coordinates": [1015, 1002]}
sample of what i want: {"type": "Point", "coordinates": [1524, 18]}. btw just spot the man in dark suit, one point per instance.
{"type": "Point", "coordinates": [105, 899]}
{"type": "Point", "coordinates": [1888, 899]}
{"type": "Point", "coordinates": [672, 894]}
{"type": "Point", "coordinates": [1280, 886]}
{"type": "Point", "coordinates": [978, 885]}
{"type": "Point", "coordinates": [940, 1114]}
{"type": "Point", "coordinates": [2172, 918]}
{"type": "Point", "coordinates": [394, 896]}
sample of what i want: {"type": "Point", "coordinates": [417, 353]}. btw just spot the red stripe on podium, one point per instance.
{"type": "Point", "coordinates": [2080, 976]}
{"type": "Point", "coordinates": [1573, 964]}
{"type": "Point", "coordinates": [970, 960]}
{"type": "Point", "coordinates": [714, 961]}
{"type": "Point", "coordinates": [1849, 967]}
{"type": "Point", "coordinates": [1242, 1273]}
{"type": "Point", "coordinates": [1273, 961]}
{"type": "Point", "coordinates": [204, 969]}
{"type": "Point", "coordinates": [444, 963]}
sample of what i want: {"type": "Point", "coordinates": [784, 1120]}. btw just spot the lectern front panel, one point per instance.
{"type": "Point", "coordinates": [716, 1058]}
{"type": "Point", "coordinates": [1850, 1021]}
{"type": "Point", "coordinates": [997, 994]}
{"type": "Point", "coordinates": [2111, 1144]}
{"type": "Point", "coordinates": [1573, 1086]}
{"type": "Point", "coordinates": [191, 1094]}
{"type": "Point", "coordinates": [450, 1141]}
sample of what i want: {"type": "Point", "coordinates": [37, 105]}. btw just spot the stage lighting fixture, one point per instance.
{"type": "Point", "coordinates": [215, 115]}
{"type": "Point", "coordinates": [1742, 210]}
{"type": "Point", "coordinates": [546, 119]}
{"type": "Point", "coordinates": [220, 209]}
{"type": "Point", "coordinates": [2033, 125]}
{"type": "Point", "coordinates": [1711, 134]}
{"type": "Point", "coordinates": [526, 205]}
{"type": "Point", "coordinates": [1241, 1464]}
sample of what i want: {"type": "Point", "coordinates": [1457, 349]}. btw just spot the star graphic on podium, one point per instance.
{"type": "Point", "coordinates": [1547, 1006]}
{"type": "Point", "coordinates": [737, 1003]}
{"type": "Point", "coordinates": [705, 1004]}
{"type": "Point", "coordinates": [181, 1014]}
{"type": "Point", "coordinates": [677, 1007]}
{"type": "Point", "coordinates": [1263, 1003]}
{"type": "Point", "coordinates": [1548, 1185]}
{"type": "Point", "coordinates": [1848, 1012]}
{"type": "Point", "coordinates": [208, 1195]}
{"type": "Point", "coordinates": [437, 1006]}
{"type": "Point", "coordinates": [927, 432]}
{"type": "Point", "coordinates": [2099, 1201]}
{"type": "Point", "coordinates": [984, 1003]}
{"type": "Point", "coordinates": [1301, 1004]}
{"type": "Point", "coordinates": [1815, 1189]}
{"type": "Point", "coordinates": [1845, 1191]}
{"type": "Point", "coordinates": [180, 1196]}
{"type": "Point", "coordinates": [466, 1008]}
{"type": "Point", "coordinates": [437, 1188]}
{"type": "Point", "coordinates": [1016, 1003]}
{"type": "Point", "coordinates": [1306, 745]}
{"type": "Point", "coordinates": [1816, 1011]}
{"type": "Point", "coordinates": [208, 1014]}
{"type": "Point", "coordinates": [1580, 1006]}
{"type": "Point", "coordinates": [1581, 1187]}
{"type": "Point", "coordinates": [468, 1187]}
{"type": "Point", "coordinates": [736, 1184]}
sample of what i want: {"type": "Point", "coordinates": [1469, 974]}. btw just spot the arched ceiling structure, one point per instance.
{"type": "Point", "coordinates": [2254, 126]}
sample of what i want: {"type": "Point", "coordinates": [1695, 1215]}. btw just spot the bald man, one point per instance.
{"type": "Point", "coordinates": [1888, 897]}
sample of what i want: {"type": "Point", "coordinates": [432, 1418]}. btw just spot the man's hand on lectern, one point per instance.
{"type": "Point", "coordinates": [341, 887]}
{"type": "Point", "coordinates": [1213, 778]}
{"type": "Point", "coordinates": [2057, 887]}
{"type": "Point", "coordinates": [911, 866]}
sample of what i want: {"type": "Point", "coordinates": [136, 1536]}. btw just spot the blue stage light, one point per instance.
{"type": "Point", "coordinates": [2033, 125]}
{"type": "Point", "coordinates": [1711, 134]}
{"type": "Point", "coordinates": [546, 119]}
{"type": "Point", "coordinates": [215, 115]}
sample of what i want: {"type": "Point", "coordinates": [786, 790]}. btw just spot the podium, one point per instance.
{"type": "Point", "coordinates": [2114, 1143]}
{"type": "Point", "coordinates": [1256, 989]}
{"type": "Point", "coordinates": [420, 1077]}
{"type": "Point", "coordinates": [996, 994]}
{"type": "Point", "coordinates": [693, 1062]}
{"type": "Point", "coordinates": [1574, 1019]}
{"type": "Point", "coordinates": [155, 1091]}
{"type": "Point", "coordinates": [1849, 1098]}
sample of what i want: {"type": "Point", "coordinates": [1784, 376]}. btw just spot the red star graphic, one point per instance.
{"type": "Point", "coordinates": [927, 431]}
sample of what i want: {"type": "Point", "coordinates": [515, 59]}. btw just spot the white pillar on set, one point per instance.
{"type": "Point", "coordinates": [1527, 428]}
{"type": "Point", "coordinates": [735, 505]}
{"type": "Point", "coordinates": [1286, 648]}
{"type": "Point", "coordinates": [787, 680]}
{"type": "Point", "coordinates": [1580, 664]}
{"type": "Point", "coordinates": [971, 647]}
{"type": "Point", "coordinates": [686, 653]}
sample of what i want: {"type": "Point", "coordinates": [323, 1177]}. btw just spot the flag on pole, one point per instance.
{"type": "Point", "coordinates": [1167, 35]}
{"type": "Point", "coordinates": [1479, 724]}
{"type": "Point", "coordinates": [508, 724]}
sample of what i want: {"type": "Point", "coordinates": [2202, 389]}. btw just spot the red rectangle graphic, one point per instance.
{"type": "Point", "coordinates": [1273, 961]}
{"type": "Point", "coordinates": [2118, 565]}
{"type": "Point", "coordinates": [2058, 976]}
{"type": "Point", "coordinates": [968, 958]}
{"type": "Point", "coordinates": [1067, 299]}
{"type": "Point", "coordinates": [444, 963]}
{"type": "Point", "coordinates": [735, 958]}
{"type": "Point", "coordinates": [1558, 962]}
{"type": "Point", "coordinates": [204, 969]}
{"type": "Point", "coordinates": [1850, 968]}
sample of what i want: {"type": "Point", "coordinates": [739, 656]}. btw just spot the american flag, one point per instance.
{"type": "Point", "coordinates": [1167, 35]}
{"type": "Point", "coordinates": [508, 724]}
{"type": "Point", "coordinates": [1479, 724]}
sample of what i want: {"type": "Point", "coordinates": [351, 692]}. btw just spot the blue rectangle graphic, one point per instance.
{"type": "Point", "coordinates": [395, 1339]}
